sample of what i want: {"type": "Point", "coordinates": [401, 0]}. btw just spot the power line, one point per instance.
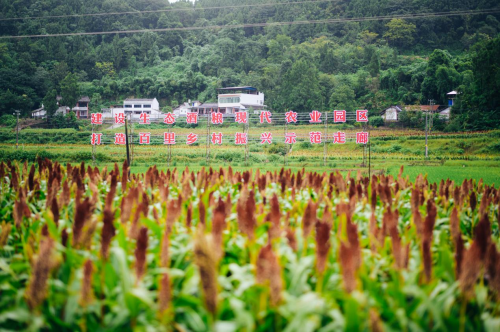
{"type": "Point", "coordinates": [138, 12]}
{"type": "Point", "coordinates": [252, 25]}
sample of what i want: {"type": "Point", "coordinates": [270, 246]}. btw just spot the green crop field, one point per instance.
{"type": "Point", "coordinates": [88, 249]}
{"type": "Point", "coordinates": [456, 156]}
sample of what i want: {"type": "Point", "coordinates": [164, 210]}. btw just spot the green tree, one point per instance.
{"type": "Point", "coordinates": [441, 77]}
{"type": "Point", "coordinates": [50, 103]}
{"type": "Point", "coordinates": [95, 103]}
{"type": "Point", "coordinates": [342, 97]}
{"type": "Point", "coordinates": [278, 48]}
{"type": "Point", "coordinates": [59, 72]}
{"type": "Point", "coordinates": [300, 88]}
{"type": "Point", "coordinates": [10, 101]}
{"type": "Point", "coordinates": [104, 68]}
{"type": "Point", "coordinates": [70, 92]}
{"type": "Point", "coordinates": [399, 32]}
{"type": "Point", "coordinates": [479, 102]}
{"type": "Point", "coordinates": [368, 37]}
{"type": "Point", "coordinates": [374, 65]}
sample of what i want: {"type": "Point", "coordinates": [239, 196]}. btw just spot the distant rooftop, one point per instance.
{"type": "Point", "coordinates": [139, 99]}
{"type": "Point", "coordinates": [206, 105]}
{"type": "Point", "coordinates": [422, 107]}
{"type": "Point", "coordinates": [250, 90]}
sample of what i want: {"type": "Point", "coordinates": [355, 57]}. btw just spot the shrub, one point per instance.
{"type": "Point", "coordinates": [395, 148]}
{"type": "Point", "coordinates": [305, 145]}
{"type": "Point", "coordinates": [494, 147]}
{"type": "Point", "coordinates": [274, 158]}
{"type": "Point", "coordinates": [8, 120]}
{"type": "Point", "coordinates": [376, 121]}
{"type": "Point", "coordinates": [278, 148]}
{"type": "Point", "coordinates": [463, 145]}
{"type": "Point", "coordinates": [229, 156]}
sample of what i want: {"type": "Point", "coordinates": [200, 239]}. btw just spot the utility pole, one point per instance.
{"type": "Point", "coordinates": [325, 140]}
{"type": "Point", "coordinates": [93, 147]}
{"type": "Point", "coordinates": [126, 142]}
{"type": "Point", "coordinates": [286, 147]}
{"type": "Point", "coordinates": [431, 101]}
{"type": "Point", "coordinates": [431, 116]}
{"type": "Point", "coordinates": [246, 129]}
{"type": "Point", "coordinates": [17, 128]}
{"type": "Point", "coordinates": [208, 137]}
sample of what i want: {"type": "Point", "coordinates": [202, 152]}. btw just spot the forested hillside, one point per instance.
{"type": "Point", "coordinates": [370, 64]}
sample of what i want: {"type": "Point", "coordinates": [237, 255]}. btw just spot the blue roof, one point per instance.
{"type": "Point", "coordinates": [250, 88]}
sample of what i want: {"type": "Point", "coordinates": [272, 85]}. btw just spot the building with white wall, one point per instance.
{"type": "Point", "coordinates": [185, 108]}
{"type": "Point", "coordinates": [240, 98]}
{"type": "Point", "coordinates": [134, 108]}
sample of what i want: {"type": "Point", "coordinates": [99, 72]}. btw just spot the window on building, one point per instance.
{"type": "Point", "coordinates": [137, 106]}
{"type": "Point", "coordinates": [146, 106]}
{"type": "Point", "coordinates": [229, 100]}
{"type": "Point", "coordinates": [128, 106]}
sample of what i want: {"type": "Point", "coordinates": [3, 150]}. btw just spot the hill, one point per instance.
{"type": "Point", "coordinates": [371, 63]}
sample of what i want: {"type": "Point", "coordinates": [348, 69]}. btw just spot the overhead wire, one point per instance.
{"type": "Point", "coordinates": [139, 12]}
{"type": "Point", "coordinates": [267, 24]}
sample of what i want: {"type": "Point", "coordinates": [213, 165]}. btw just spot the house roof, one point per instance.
{"type": "Point", "coordinates": [139, 99]}
{"type": "Point", "coordinates": [84, 98]}
{"type": "Point", "coordinates": [206, 105]}
{"type": "Point", "coordinates": [398, 109]}
{"type": "Point", "coordinates": [422, 107]}
{"type": "Point", "coordinates": [37, 110]}
{"type": "Point", "coordinates": [252, 105]}
{"type": "Point", "coordinates": [452, 93]}
{"type": "Point", "coordinates": [250, 88]}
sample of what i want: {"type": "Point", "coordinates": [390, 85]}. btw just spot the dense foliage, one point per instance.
{"type": "Point", "coordinates": [369, 64]}
{"type": "Point", "coordinates": [89, 250]}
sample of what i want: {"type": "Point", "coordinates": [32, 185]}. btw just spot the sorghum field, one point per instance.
{"type": "Point", "coordinates": [83, 249]}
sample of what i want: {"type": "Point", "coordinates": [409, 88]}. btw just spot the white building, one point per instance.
{"type": "Point", "coordinates": [81, 109]}
{"type": "Point", "coordinates": [229, 101]}
{"type": "Point", "coordinates": [135, 107]}
{"type": "Point", "coordinates": [185, 108]}
{"type": "Point", "coordinates": [39, 113]}
{"type": "Point", "coordinates": [391, 114]}
{"type": "Point", "coordinates": [240, 98]}
{"type": "Point", "coordinates": [445, 114]}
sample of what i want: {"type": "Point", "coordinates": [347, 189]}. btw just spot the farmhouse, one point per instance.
{"type": "Point", "coordinates": [241, 98]}
{"type": "Point", "coordinates": [229, 101]}
{"type": "Point", "coordinates": [184, 108]}
{"type": "Point", "coordinates": [134, 108]}
{"type": "Point", "coordinates": [391, 114]}
{"type": "Point", "coordinates": [205, 108]}
{"type": "Point", "coordinates": [81, 109]}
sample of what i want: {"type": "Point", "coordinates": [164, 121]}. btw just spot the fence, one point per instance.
{"type": "Point", "coordinates": [261, 127]}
